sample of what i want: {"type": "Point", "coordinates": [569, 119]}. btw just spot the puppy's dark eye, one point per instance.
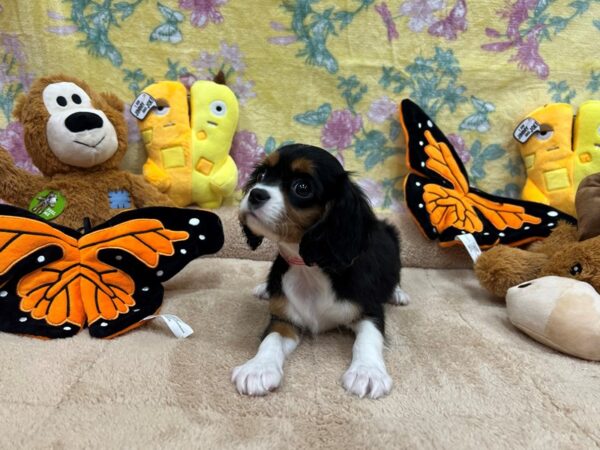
{"type": "Point", "coordinates": [61, 100]}
{"type": "Point", "coordinates": [302, 189]}
{"type": "Point", "coordinates": [260, 177]}
{"type": "Point", "coordinates": [576, 269]}
{"type": "Point", "coordinates": [76, 99]}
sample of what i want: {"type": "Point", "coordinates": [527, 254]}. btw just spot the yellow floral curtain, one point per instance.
{"type": "Point", "coordinates": [328, 73]}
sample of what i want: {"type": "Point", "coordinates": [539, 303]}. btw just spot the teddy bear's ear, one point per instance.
{"type": "Point", "coordinates": [114, 101]}
{"type": "Point", "coordinates": [18, 109]}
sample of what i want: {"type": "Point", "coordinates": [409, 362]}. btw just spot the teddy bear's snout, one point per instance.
{"type": "Point", "coordinates": [82, 121]}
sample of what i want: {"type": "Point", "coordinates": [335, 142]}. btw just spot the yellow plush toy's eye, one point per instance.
{"type": "Point", "coordinates": [545, 133]}
{"type": "Point", "coordinates": [218, 108]}
{"type": "Point", "coordinates": [162, 107]}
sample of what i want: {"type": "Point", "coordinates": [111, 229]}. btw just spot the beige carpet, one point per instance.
{"type": "Point", "coordinates": [464, 378]}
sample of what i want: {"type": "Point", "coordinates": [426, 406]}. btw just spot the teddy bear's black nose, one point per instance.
{"type": "Point", "coordinates": [81, 121]}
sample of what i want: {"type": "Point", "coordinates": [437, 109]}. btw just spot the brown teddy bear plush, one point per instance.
{"type": "Point", "coordinates": [572, 252]}
{"type": "Point", "coordinates": [76, 138]}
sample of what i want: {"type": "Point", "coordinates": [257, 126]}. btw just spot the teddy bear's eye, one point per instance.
{"type": "Point", "coordinates": [576, 269]}
{"type": "Point", "coordinates": [61, 101]}
{"type": "Point", "coordinates": [76, 99]}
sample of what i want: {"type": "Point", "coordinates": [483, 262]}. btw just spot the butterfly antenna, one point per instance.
{"type": "Point", "coordinates": [87, 226]}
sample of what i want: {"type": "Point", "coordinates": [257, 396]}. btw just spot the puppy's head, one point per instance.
{"type": "Point", "coordinates": [301, 194]}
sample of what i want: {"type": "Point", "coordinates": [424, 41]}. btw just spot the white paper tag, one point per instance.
{"type": "Point", "coordinates": [142, 105]}
{"type": "Point", "coordinates": [468, 240]}
{"type": "Point", "coordinates": [178, 327]}
{"type": "Point", "coordinates": [527, 128]}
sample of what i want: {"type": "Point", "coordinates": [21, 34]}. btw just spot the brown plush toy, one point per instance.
{"type": "Point", "coordinates": [572, 252]}
{"type": "Point", "coordinates": [76, 137]}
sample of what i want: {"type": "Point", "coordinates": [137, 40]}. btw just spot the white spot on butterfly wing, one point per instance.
{"type": "Point", "coordinates": [421, 205]}
{"type": "Point", "coordinates": [23, 319]}
{"type": "Point", "coordinates": [201, 237]}
{"type": "Point", "coordinates": [67, 328]}
{"type": "Point", "coordinates": [194, 221]}
{"type": "Point", "coordinates": [160, 273]}
{"type": "Point", "coordinates": [429, 123]}
{"type": "Point", "coordinates": [41, 258]}
{"type": "Point", "coordinates": [501, 234]}
{"type": "Point", "coordinates": [552, 213]}
{"type": "Point", "coordinates": [419, 125]}
{"type": "Point", "coordinates": [3, 293]}
{"type": "Point", "coordinates": [421, 143]}
{"type": "Point", "coordinates": [183, 251]}
{"type": "Point", "coordinates": [119, 257]}
{"type": "Point", "coordinates": [551, 224]}
{"type": "Point", "coordinates": [104, 324]}
{"type": "Point", "coordinates": [145, 289]}
{"type": "Point", "coordinates": [526, 228]}
{"type": "Point", "coordinates": [418, 183]}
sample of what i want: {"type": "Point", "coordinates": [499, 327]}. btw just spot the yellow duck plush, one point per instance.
{"type": "Point", "coordinates": [559, 152]}
{"type": "Point", "coordinates": [188, 156]}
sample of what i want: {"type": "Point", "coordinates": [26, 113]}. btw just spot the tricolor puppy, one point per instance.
{"type": "Point", "coordinates": [337, 266]}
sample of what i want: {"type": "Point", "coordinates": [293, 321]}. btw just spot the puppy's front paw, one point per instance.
{"type": "Point", "coordinates": [366, 380]}
{"type": "Point", "coordinates": [261, 292]}
{"type": "Point", "coordinates": [399, 297]}
{"type": "Point", "coordinates": [257, 377]}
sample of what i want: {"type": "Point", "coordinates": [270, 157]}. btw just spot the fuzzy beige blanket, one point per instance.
{"type": "Point", "coordinates": [463, 376]}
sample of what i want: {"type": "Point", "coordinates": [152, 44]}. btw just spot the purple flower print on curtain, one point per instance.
{"type": "Point", "coordinates": [247, 153]}
{"type": "Point", "coordinates": [203, 11]}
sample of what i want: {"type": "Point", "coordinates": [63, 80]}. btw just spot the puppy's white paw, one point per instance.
{"type": "Point", "coordinates": [260, 291]}
{"type": "Point", "coordinates": [367, 380]}
{"type": "Point", "coordinates": [399, 297]}
{"type": "Point", "coordinates": [257, 377]}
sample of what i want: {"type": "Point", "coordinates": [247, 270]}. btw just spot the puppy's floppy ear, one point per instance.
{"type": "Point", "coordinates": [336, 240]}
{"type": "Point", "coordinates": [253, 240]}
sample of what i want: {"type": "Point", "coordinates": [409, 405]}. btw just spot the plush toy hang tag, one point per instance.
{"type": "Point", "coordinates": [177, 326]}
{"type": "Point", "coordinates": [142, 105]}
{"type": "Point", "coordinates": [468, 240]}
{"type": "Point", "coordinates": [527, 128]}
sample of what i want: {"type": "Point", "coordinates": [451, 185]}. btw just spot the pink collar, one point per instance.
{"type": "Point", "coordinates": [292, 260]}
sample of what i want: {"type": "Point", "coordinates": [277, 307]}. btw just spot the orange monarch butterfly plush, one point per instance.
{"type": "Point", "coordinates": [54, 281]}
{"type": "Point", "coordinates": [439, 197]}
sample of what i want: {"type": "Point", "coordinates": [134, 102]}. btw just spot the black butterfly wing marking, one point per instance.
{"type": "Point", "coordinates": [204, 236]}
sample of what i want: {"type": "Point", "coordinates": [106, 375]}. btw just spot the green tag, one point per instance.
{"type": "Point", "coordinates": [48, 204]}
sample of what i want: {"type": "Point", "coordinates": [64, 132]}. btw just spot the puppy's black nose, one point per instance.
{"type": "Point", "coordinates": [258, 197]}
{"type": "Point", "coordinates": [81, 121]}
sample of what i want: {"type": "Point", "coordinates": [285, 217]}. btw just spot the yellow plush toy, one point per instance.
{"type": "Point", "coordinates": [586, 141]}
{"type": "Point", "coordinates": [558, 154]}
{"type": "Point", "coordinates": [188, 158]}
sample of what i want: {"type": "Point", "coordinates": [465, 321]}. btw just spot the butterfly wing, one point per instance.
{"type": "Point", "coordinates": [491, 219]}
{"type": "Point", "coordinates": [133, 253]}
{"type": "Point", "coordinates": [33, 253]}
{"type": "Point", "coordinates": [415, 124]}
{"type": "Point", "coordinates": [438, 194]}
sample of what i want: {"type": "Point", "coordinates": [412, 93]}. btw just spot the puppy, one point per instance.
{"type": "Point", "coordinates": [337, 266]}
